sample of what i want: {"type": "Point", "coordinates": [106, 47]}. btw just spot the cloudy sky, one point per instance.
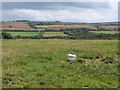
{"type": "Point", "coordinates": [61, 11]}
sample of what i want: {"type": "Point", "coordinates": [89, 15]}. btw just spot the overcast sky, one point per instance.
{"type": "Point", "coordinates": [61, 11]}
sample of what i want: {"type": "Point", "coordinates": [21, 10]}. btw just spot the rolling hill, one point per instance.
{"type": "Point", "coordinates": [15, 26]}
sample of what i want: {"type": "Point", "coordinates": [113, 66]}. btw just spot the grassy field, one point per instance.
{"type": "Point", "coordinates": [105, 32]}
{"type": "Point", "coordinates": [43, 27]}
{"type": "Point", "coordinates": [36, 33]}
{"type": "Point", "coordinates": [54, 34]}
{"type": "Point", "coordinates": [23, 33]}
{"type": "Point", "coordinates": [43, 64]}
{"type": "Point", "coordinates": [58, 27]}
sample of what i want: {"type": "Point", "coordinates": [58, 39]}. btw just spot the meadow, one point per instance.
{"type": "Point", "coordinates": [37, 33]}
{"type": "Point", "coordinates": [23, 33]}
{"type": "Point", "coordinates": [43, 64]}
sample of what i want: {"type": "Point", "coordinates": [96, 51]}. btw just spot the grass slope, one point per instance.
{"type": "Point", "coordinates": [43, 64]}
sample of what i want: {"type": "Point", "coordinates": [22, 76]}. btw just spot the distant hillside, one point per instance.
{"type": "Point", "coordinates": [106, 24]}
{"type": "Point", "coordinates": [59, 27]}
{"type": "Point", "coordinates": [55, 25]}
{"type": "Point", "coordinates": [110, 27]}
{"type": "Point", "coordinates": [15, 26]}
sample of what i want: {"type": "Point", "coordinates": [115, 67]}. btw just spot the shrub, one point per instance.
{"type": "Point", "coordinates": [6, 35]}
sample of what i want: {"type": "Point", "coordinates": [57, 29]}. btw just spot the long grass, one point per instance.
{"type": "Point", "coordinates": [43, 64]}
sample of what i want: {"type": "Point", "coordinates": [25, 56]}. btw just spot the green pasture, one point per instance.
{"type": "Point", "coordinates": [54, 34]}
{"type": "Point", "coordinates": [43, 64]}
{"type": "Point", "coordinates": [24, 33]}
{"type": "Point", "coordinates": [37, 33]}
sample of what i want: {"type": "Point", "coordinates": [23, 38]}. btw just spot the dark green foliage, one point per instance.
{"type": "Point", "coordinates": [6, 35]}
{"type": "Point", "coordinates": [85, 34]}
{"type": "Point", "coordinates": [72, 33]}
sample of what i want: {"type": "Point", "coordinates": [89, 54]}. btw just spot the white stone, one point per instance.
{"type": "Point", "coordinates": [71, 57]}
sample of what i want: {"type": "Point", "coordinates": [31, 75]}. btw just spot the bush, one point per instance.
{"type": "Point", "coordinates": [6, 35]}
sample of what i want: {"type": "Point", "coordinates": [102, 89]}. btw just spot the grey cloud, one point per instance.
{"type": "Point", "coordinates": [61, 11]}
{"type": "Point", "coordinates": [53, 5]}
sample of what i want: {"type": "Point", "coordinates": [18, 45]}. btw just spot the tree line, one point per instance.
{"type": "Point", "coordinates": [72, 33]}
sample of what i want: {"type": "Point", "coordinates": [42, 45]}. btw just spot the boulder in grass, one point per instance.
{"type": "Point", "coordinates": [71, 57]}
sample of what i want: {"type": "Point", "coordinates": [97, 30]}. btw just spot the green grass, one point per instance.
{"type": "Point", "coordinates": [43, 64]}
{"type": "Point", "coordinates": [105, 32]}
{"type": "Point", "coordinates": [46, 26]}
{"type": "Point", "coordinates": [36, 33]}
{"type": "Point", "coordinates": [54, 34]}
{"type": "Point", "coordinates": [23, 33]}
{"type": "Point", "coordinates": [43, 27]}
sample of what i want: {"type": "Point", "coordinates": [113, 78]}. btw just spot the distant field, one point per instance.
{"type": "Point", "coordinates": [58, 27]}
{"type": "Point", "coordinates": [43, 64]}
{"type": "Point", "coordinates": [54, 34]}
{"type": "Point", "coordinates": [46, 26]}
{"type": "Point", "coordinates": [105, 32]}
{"type": "Point", "coordinates": [15, 26]}
{"type": "Point", "coordinates": [36, 33]}
{"type": "Point", "coordinates": [110, 27]}
{"type": "Point", "coordinates": [23, 33]}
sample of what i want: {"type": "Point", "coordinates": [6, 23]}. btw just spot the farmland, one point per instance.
{"type": "Point", "coordinates": [110, 27]}
{"type": "Point", "coordinates": [30, 30]}
{"type": "Point", "coordinates": [43, 64]}
{"type": "Point", "coordinates": [58, 27]}
{"type": "Point", "coordinates": [105, 32]}
{"type": "Point", "coordinates": [14, 26]}
{"type": "Point", "coordinates": [37, 33]}
{"type": "Point", "coordinates": [59, 45]}
{"type": "Point", "coordinates": [28, 26]}
{"type": "Point", "coordinates": [32, 59]}
{"type": "Point", "coordinates": [54, 34]}
{"type": "Point", "coordinates": [23, 33]}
